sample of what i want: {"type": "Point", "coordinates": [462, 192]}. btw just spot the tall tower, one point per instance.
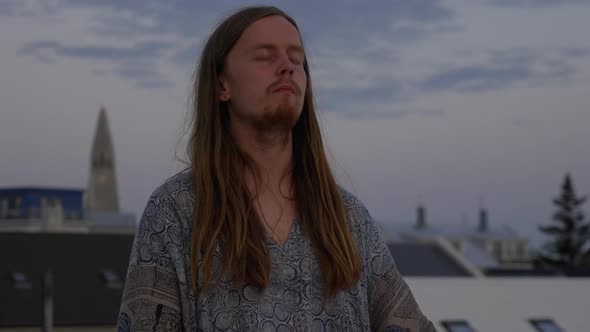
{"type": "Point", "coordinates": [101, 194]}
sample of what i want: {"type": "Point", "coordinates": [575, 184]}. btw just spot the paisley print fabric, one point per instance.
{"type": "Point", "coordinates": [158, 296]}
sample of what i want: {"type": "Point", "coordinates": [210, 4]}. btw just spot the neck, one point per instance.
{"type": "Point", "coordinates": [272, 154]}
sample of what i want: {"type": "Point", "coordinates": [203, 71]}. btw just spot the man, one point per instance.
{"type": "Point", "coordinates": [256, 235]}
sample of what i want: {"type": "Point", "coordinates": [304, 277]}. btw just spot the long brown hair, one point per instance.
{"type": "Point", "coordinates": [224, 215]}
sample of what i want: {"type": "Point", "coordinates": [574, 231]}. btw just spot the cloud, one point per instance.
{"type": "Point", "coordinates": [400, 21]}
{"type": "Point", "coordinates": [383, 111]}
{"type": "Point", "coordinates": [354, 57]}
{"type": "Point", "coordinates": [25, 8]}
{"type": "Point", "coordinates": [135, 63]}
{"type": "Point", "coordinates": [533, 3]}
{"type": "Point", "coordinates": [144, 75]}
{"type": "Point", "coordinates": [575, 52]}
{"type": "Point", "coordinates": [142, 50]}
{"type": "Point", "coordinates": [366, 86]}
{"type": "Point", "coordinates": [374, 29]}
{"type": "Point", "coordinates": [124, 19]}
{"type": "Point", "coordinates": [476, 78]}
{"type": "Point", "coordinates": [185, 56]}
{"type": "Point", "coordinates": [504, 68]}
{"type": "Point", "coordinates": [8, 8]}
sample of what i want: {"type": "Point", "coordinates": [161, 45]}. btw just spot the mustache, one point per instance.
{"type": "Point", "coordinates": [280, 83]}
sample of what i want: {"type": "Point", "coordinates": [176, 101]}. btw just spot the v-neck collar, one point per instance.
{"type": "Point", "coordinates": [271, 240]}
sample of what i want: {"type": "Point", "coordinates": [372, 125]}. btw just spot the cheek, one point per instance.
{"type": "Point", "coordinates": [301, 80]}
{"type": "Point", "coordinates": [245, 85]}
{"type": "Point", "coordinates": [249, 91]}
{"type": "Point", "coordinates": [255, 81]}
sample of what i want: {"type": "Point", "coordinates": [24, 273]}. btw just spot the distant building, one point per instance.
{"type": "Point", "coordinates": [30, 209]}
{"type": "Point", "coordinates": [509, 303]}
{"type": "Point", "coordinates": [101, 194]}
{"type": "Point", "coordinates": [96, 209]}
{"type": "Point", "coordinates": [458, 298]}
{"type": "Point", "coordinates": [87, 275]}
{"type": "Point", "coordinates": [64, 262]}
{"type": "Point", "coordinates": [65, 252]}
{"type": "Point", "coordinates": [87, 284]}
{"type": "Point", "coordinates": [484, 245]}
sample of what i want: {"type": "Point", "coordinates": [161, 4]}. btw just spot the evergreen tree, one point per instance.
{"type": "Point", "coordinates": [569, 233]}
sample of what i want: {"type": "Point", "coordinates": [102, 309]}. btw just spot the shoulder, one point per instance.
{"type": "Point", "coordinates": [360, 220]}
{"type": "Point", "coordinates": [175, 194]}
{"type": "Point", "coordinates": [355, 209]}
{"type": "Point", "coordinates": [176, 187]}
{"type": "Point", "coordinates": [349, 199]}
{"type": "Point", "coordinates": [163, 227]}
{"type": "Point", "coordinates": [367, 232]}
{"type": "Point", "coordinates": [170, 204]}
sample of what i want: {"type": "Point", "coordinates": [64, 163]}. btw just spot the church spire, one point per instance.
{"type": "Point", "coordinates": [102, 183]}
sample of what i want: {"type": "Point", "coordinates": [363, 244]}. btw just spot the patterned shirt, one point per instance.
{"type": "Point", "coordinates": [158, 295]}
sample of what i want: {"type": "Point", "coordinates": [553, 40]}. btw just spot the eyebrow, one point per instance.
{"type": "Point", "coordinates": [290, 48]}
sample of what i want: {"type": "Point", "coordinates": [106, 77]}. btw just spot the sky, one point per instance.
{"type": "Point", "coordinates": [455, 104]}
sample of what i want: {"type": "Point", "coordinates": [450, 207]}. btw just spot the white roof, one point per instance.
{"type": "Point", "coordinates": [504, 303]}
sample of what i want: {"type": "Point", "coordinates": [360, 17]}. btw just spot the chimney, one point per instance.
{"type": "Point", "coordinates": [483, 220]}
{"type": "Point", "coordinates": [421, 217]}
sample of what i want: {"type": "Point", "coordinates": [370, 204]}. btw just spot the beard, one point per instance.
{"type": "Point", "coordinates": [280, 117]}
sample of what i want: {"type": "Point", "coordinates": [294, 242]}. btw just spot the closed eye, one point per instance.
{"type": "Point", "coordinates": [297, 60]}
{"type": "Point", "coordinates": [262, 58]}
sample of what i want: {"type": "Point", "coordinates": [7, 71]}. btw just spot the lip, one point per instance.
{"type": "Point", "coordinates": [285, 88]}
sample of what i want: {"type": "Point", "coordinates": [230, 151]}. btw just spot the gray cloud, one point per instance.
{"type": "Point", "coordinates": [476, 78]}
{"type": "Point", "coordinates": [373, 30]}
{"type": "Point", "coordinates": [369, 86]}
{"type": "Point", "coordinates": [136, 63]}
{"type": "Point", "coordinates": [534, 3]}
{"type": "Point", "coordinates": [16, 8]}
{"type": "Point", "coordinates": [383, 91]}
{"type": "Point", "coordinates": [8, 8]}
{"type": "Point", "coordinates": [349, 22]}
{"type": "Point", "coordinates": [505, 68]}
{"type": "Point", "coordinates": [143, 50]}
{"type": "Point", "coordinates": [400, 21]}
{"type": "Point", "coordinates": [374, 33]}
{"type": "Point", "coordinates": [355, 55]}
{"type": "Point", "coordinates": [575, 52]}
{"type": "Point", "coordinates": [143, 74]}
{"type": "Point", "coordinates": [384, 111]}
{"type": "Point", "coordinates": [185, 56]}
{"type": "Point", "coordinates": [187, 17]}
{"type": "Point", "coordinates": [124, 19]}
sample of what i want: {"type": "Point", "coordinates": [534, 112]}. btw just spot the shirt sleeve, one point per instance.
{"type": "Point", "coordinates": [151, 296]}
{"type": "Point", "coordinates": [392, 307]}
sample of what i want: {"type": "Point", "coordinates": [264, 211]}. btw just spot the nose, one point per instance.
{"type": "Point", "coordinates": [286, 67]}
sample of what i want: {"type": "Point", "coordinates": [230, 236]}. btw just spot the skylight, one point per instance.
{"type": "Point", "coordinates": [111, 279]}
{"type": "Point", "coordinates": [20, 280]}
{"type": "Point", "coordinates": [457, 326]}
{"type": "Point", "coordinates": [545, 325]}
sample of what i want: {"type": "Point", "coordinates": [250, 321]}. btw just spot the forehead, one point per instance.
{"type": "Point", "coordinates": [275, 30]}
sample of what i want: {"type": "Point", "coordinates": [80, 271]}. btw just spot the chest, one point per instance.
{"type": "Point", "coordinates": [276, 215]}
{"type": "Point", "coordinates": [292, 301]}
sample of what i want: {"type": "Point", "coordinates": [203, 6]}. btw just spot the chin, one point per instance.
{"type": "Point", "coordinates": [282, 116]}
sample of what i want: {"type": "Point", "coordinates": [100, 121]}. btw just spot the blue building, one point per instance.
{"type": "Point", "coordinates": [31, 202]}
{"type": "Point", "coordinates": [94, 209]}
